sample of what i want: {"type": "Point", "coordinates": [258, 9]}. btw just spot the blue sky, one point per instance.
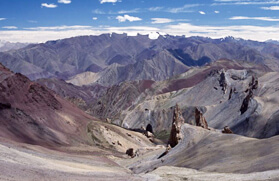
{"type": "Point", "coordinates": [42, 20]}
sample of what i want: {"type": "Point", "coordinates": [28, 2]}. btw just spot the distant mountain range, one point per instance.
{"type": "Point", "coordinates": [109, 59]}
{"type": "Point", "coordinates": [6, 46]}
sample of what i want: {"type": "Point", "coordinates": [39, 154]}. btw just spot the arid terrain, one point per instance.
{"type": "Point", "coordinates": [173, 108]}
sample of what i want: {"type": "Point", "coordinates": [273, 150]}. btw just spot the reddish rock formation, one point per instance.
{"type": "Point", "coordinates": [177, 122]}
{"type": "Point", "coordinates": [227, 130]}
{"type": "Point", "coordinates": [200, 120]}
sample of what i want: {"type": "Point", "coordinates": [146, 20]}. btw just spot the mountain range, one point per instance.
{"type": "Point", "coordinates": [118, 107]}
{"type": "Point", "coordinates": [109, 59]}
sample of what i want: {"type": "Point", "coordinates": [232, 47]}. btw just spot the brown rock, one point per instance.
{"type": "Point", "coordinates": [177, 122]}
{"type": "Point", "coordinates": [227, 130]}
{"type": "Point", "coordinates": [130, 152]}
{"type": "Point", "coordinates": [200, 119]}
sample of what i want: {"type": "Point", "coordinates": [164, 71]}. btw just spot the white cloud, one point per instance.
{"type": "Point", "coordinates": [184, 9]}
{"type": "Point", "coordinates": [98, 11]}
{"type": "Point", "coordinates": [258, 33]}
{"type": "Point", "coordinates": [9, 27]}
{"type": "Point", "coordinates": [48, 5]}
{"type": "Point", "coordinates": [161, 20]}
{"type": "Point", "coordinates": [64, 1]}
{"type": "Point", "coordinates": [46, 28]}
{"type": "Point", "coordinates": [155, 8]}
{"type": "Point", "coordinates": [244, 2]}
{"type": "Point", "coordinates": [42, 34]}
{"type": "Point", "coordinates": [1, 19]}
{"type": "Point", "coordinates": [109, 1]}
{"type": "Point", "coordinates": [127, 18]}
{"type": "Point", "coordinates": [201, 12]}
{"type": "Point", "coordinates": [128, 11]}
{"type": "Point", "coordinates": [94, 18]}
{"type": "Point", "coordinates": [273, 8]}
{"type": "Point", "coordinates": [253, 18]}
{"type": "Point", "coordinates": [217, 12]}
{"type": "Point", "coordinates": [39, 34]}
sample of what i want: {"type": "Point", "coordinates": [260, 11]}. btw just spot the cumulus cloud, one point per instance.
{"type": "Point", "coordinates": [273, 8]}
{"type": "Point", "coordinates": [94, 18]}
{"type": "Point", "coordinates": [201, 12]}
{"type": "Point", "coordinates": [9, 27]}
{"type": "Point", "coordinates": [161, 20]}
{"type": "Point", "coordinates": [217, 12]}
{"type": "Point", "coordinates": [127, 18]}
{"type": "Point", "coordinates": [1, 19]}
{"type": "Point", "coordinates": [64, 1]}
{"type": "Point", "coordinates": [253, 18]}
{"type": "Point", "coordinates": [48, 5]}
{"type": "Point", "coordinates": [109, 1]}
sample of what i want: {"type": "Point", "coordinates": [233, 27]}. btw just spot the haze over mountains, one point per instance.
{"type": "Point", "coordinates": [6, 46]}
{"type": "Point", "coordinates": [118, 107]}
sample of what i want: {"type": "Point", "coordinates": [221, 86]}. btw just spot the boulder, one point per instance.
{"type": "Point", "coordinates": [227, 130]}
{"type": "Point", "coordinates": [130, 152]}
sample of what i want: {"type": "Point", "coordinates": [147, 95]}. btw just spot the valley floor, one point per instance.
{"type": "Point", "coordinates": [29, 162]}
{"type": "Point", "coordinates": [38, 163]}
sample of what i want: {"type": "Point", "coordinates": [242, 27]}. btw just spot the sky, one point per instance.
{"type": "Point", "coordinates": [42, 20]}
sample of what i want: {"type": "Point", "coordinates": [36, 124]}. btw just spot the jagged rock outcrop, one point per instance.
{"type": "Point", "coordinates": [254, 83]}
{"type": "Point", "coordinates": [223, 82]}
{"type": "Point", "coordinates": [177, 122]}
{"type": "Point", "coordinates": [245, 103]}
{"type": "Point", "coordinates": [252, 86]}
{"type": "Point", "coordinates": [200, 119]}
{"type": "Point", "coordinates": [227, 130]}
